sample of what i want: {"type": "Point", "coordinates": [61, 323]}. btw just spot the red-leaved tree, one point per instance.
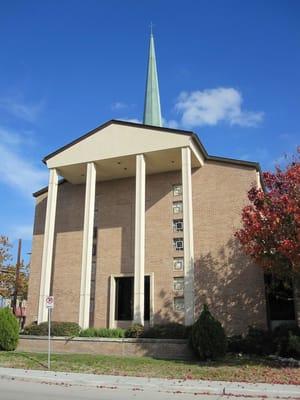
{"type": "Point", "coordinates": [270, 232]}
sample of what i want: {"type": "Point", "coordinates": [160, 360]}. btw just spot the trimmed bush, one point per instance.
{"type": "Point", "coordinates": [283, 341]}
{"type": "Point", "coordinates": [281, 338]}
{"type": "Point", "coordinates": [70, 329]}
{"type": "Point", "coordinates": [257, 341]}
{"type": "Point", "coordinates": [208, 337]}
{"type": "Point", "coordinates": [103, 332]}
{"type": "Point", "coordinates": [89, 332]}
{"type": "Point", "coordinates": [294, 345]}
{"type": "Point", "coordinates": [36, 330]}
{"type": "Point", "coordinates": [134, 331]}
{"type": "Point", "coordinates": [235, 344]}
{"type": "Point", "coordinates": [111, 333]}
{"type": "Point", "coordinates": [168, 331]}
{"type": "Point", "coordinates": [9, 330]}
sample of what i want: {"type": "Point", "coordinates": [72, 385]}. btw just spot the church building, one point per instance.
{"type": "Point", "coordinates": [137, 226]}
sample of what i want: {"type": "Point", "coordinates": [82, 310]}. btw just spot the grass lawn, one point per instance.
{"type": "Point", "coordinates": [232, 368]}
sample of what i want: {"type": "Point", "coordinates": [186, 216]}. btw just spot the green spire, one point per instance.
{"type": "Point", "coordinates": [152, 113]}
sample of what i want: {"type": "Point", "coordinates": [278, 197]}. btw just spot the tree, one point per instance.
{"type": "Point", "coordinates": [270, 232]}
{"type": "Point", "coordinates": [8, 273]}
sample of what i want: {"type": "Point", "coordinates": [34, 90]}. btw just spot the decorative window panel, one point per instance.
{"type": "Point", "coordinates": [179, 304]}
{"type": "Point", "coordinates": [178, 284]}
{"type": "Point", "coordinates": [178, 263]}
{"type": "Point", "coordinates": [177, 190]}
{"type": "Point", "coordinates": [178, 225]}
{"type": "Point", "coordinates": [177, 207]}
{"type": "Point", "coordinates": [178, 244]}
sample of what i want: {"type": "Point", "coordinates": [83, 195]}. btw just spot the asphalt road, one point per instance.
{"type": "Point", "coordinates": [22, 390]}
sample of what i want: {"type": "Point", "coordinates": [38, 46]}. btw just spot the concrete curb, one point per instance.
{"type": "Point", "coordinates": [154, 384]}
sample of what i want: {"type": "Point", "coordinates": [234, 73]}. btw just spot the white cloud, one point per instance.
{"type": "Point", "coordinates": [118, 105]}
{"type": "Point", "coordinates": [172, 123]}
{"type": "Point", "coordinates": [134, 120]}
{"type": "Point", "coordinates": [211, 106]}
{"type": "Point", "coordinates": [20, 231]}
{"type": "Point", "coordinates": [16, 170]}
{"type": "Point", "coordinates": [19, 173]}
{"type": "Point", "coordinates": [20, 109]}
{"type": "Point", "coordinates": [13, 138]}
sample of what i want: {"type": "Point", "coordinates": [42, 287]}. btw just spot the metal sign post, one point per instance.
{"type": "Point", "coordinates": [49, 305]}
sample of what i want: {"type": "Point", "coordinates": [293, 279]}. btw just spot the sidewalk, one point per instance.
{"type": "Point", "coordinates": [153, 384]}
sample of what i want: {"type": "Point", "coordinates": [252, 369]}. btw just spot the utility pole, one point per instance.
{"type": "Point", "coordinates": [18, 265]}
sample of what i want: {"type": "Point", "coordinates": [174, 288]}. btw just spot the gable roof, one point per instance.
{"type": "Point", "coordinates": [191, 134]}
{"type": "Point", "coordinates": [157, 128]}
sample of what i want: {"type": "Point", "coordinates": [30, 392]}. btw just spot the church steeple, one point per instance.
{"type": "Point", "coordinates": [152, 112]}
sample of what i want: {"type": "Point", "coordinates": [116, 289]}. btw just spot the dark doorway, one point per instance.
{"type": "Point", "coordinates": [280, 298]}
{"type": "Point", "coordinates": [124, 299]}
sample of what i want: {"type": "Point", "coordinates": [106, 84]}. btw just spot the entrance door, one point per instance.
{"type": "Point", "coordinates": [124, 298]}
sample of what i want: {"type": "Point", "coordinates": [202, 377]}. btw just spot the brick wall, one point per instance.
{"type": "Point", "coordinates": [225, 279]}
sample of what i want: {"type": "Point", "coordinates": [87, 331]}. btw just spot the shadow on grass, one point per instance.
{"type": "Point", "coordinates": [27, 357]}
{"type": "Point", "coordinates": [231, 360]}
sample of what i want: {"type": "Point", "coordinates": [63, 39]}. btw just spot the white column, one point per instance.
{"type": "Point", "coordinates": [188, 235]}
{"type": "Point", "coordinates": [139, 244]}
{"type": "Point", "coordinates": [112, 302]}
{"type": "Point", "coordinates": [48, 245]}
{"type": "Point", "coordinates": [87, 246]}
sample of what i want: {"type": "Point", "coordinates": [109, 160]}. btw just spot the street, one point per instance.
{"type": "Point", "coordinates": [20, 390]}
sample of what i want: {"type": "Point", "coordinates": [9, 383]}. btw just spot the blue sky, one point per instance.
{"type": "Point", "coordinates": [228, 70]}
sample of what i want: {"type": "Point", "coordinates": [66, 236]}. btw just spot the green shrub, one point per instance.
{"type": "Point", "coordinates": [168, 331]}
{"type": "Point", "coordinates": [9, 330]}
{"type": "Point", "coordinates": [235, 344]}
{"type": "Point", "coordinates": [70, 329]}
{"type": "Point", "coordinates": [103, 332]}
{"type": "Point", "coordinates": [257, 341]}
{"type": "Point", "coordinates": [36, 330]}
{"type": "Point", "coordinates": [134, 331]}
{"type": "Point", "coordinates": [89, 332]}
{"type": "Point", "coordinates": [294, 345]}
{"type": "Point", "coordinates": [281, 338]}
{"type": "Point", "coordinates": [208, 337]}
{"type": "Point", "coordinates": [111, 333]}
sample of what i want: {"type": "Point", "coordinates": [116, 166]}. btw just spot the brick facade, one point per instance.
{"type": "Point", "coordinates": [224, 278]}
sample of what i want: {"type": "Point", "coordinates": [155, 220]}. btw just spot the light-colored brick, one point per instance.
{"type": "Point", "coordinates": [225, 279]}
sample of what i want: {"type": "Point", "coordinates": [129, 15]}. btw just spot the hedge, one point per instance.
{"type": "Point", "coordinates": [9, 330]}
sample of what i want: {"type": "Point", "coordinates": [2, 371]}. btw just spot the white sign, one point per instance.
{"type": "Point", "coordinates": [50, 301]}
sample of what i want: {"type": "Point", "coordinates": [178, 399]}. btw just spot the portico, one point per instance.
{"type": "Point", "coordinates": [76, 165]}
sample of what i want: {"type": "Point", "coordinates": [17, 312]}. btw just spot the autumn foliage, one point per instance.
{"type": "Point", "coordinates": [8, 273]}
{"type": "Point", "coordinates": [270, 231]}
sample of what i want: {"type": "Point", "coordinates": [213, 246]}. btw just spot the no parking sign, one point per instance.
{"type": "Point", "coordinates": [50, 301]}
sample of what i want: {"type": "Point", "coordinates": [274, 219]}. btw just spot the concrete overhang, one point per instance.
{"type": "Point", "coordinates": [113, 148]}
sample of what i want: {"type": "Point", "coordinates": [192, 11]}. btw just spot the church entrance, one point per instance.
{"type": "Point", "coordinates": [124, 298]}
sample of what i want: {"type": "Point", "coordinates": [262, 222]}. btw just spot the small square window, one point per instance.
{"type": "Point", "coordinates": [179, 304]}
{"type": "Point", "coordinates": [177, 190]}
{"type": "Point", "coordinates": [177, 225]}
{"type": "Point", "coordinates": [177, 207]}
{"type": "Point", "coordinates": [178, 264]}
{"type": "Point", "coordinates": [178, 283]}
{"type": "Point", "coordinates": [178, 244]}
